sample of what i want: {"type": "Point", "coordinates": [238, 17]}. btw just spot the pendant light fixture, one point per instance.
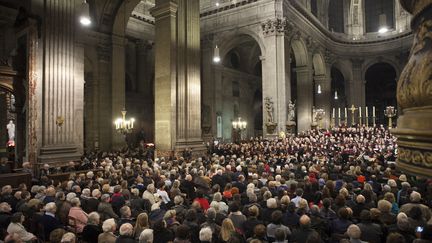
{"type": "Point", "coordinates": [336, 96]}
{"type": "Point", "coordinates": [319, 89]}
{"type": "Point", "coordinates": [216, 56]}
{"type": "Point", "coordinates": [85, 14]}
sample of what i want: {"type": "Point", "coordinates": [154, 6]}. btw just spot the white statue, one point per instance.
{"type": "Point", "coordinates": [11, 130]}
{"type": "Point", "coordinates": [291, 111]}
{"type": "Point", "coordinates": [269, 109]}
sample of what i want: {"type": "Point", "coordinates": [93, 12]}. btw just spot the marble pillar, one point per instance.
{"type": "Point", "coordinates": [414, 95]}
{"type": "Point", "coordinates": [275, 74]}
{"type": "Point", "coordinates": [304, 98]}
{"type": "Point", "coordinates": [118, 92]}
{"type": "Point", "coordinates": [62, 81]}
{"type": "Point", "coordinates": [402, 18]}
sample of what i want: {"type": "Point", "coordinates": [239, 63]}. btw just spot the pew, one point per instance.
{"type": "Point", "coordinates": [14, 179]}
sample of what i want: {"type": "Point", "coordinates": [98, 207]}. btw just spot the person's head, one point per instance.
{"type": "Point", "coordinates": [109, 225]}
{"type": "Point", "coordinates": [299, 192]}
{"type": "Point", "coordinates": [271, 203]}
{"type": "Point", "coordinates": [93, 218]}
{"type": "Point", "coordinates": [146, 236]}
{"type": "Point", "coordinates": [151, 188]}
{"type": "Point", "coordinates": [276, 217]}
{"type": "Point", "coordinates": [178, 200]}
{"type": "Point", "coordinates": [51, 208]}
{"type": "Point", "coordinates": [395, 238]}
{"type": "Point", "coordinates": [253, 211]}
{"type": "Point", "coordinates": [304, 221]}
{"type": "Point", "coordinates": [68, 238]}
{"type": "Point", "coordinates": [259, 231]}
{"type": "Point", "coordinates": [205, 234]}
{"type": "Point", "coordinates": [354, 232]}
{"type": "Point", "coordinates": [415, 197]}
{"type": "Point", "coordinates": [170, 214]}
{"type": "Point", "coordinates": [227, 229]}
{"type": "Point", "coordinates": [343, 213]}
{"type": "Point", "coordinates": [182, 232]}
{"type": "Point", "coordinates": [217, 197]}
{"type": "Point", "coordinates": [56, 235]}
{"type": "Point", "coordinates": [125, 212]}
{"type": "Point", "coordinates": [211, 213]}
{"type": "Point", "coordinates": [384, 206]}
{"type": "Point", "coordinates": [280, 234]}
{"type": "Point", "coordinates": [75, 202]}
{"type": "Point", "coordinates": [126, 229]}
{"type": "Point", "coordinates": [105, 198]}
{"type": "Point", "coordinates": [234, 207]}
{"type": "Point", "coordinates": [142, 220]}
{"type": "Point", "coordinates": [17, 218]}
{"type": "Point", "coordinates": [5, 207]}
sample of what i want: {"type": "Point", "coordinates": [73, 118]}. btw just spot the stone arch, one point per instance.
{"type": "Point", "coordinates": [234, 39]}
{"type": "Point", "coordinates": [122, 16]}
{"type": "Point", "coordinates": [345, 68]}
{"type": "Point", "coordinates": [7, 88]}
{"type": "Point", "coordinates": [300, 52]}
{"type": "Point", "coordinates": [374, 61]}
{"type": "Point", "coordinates": [319, 64]}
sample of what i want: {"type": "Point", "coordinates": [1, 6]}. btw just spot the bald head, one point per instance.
{"type": "Point", "coordinates": [304, 220]}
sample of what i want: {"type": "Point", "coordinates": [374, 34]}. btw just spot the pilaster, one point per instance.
{"type": "Point", "coordinates": [323, 100]}
{"type": "Point", "coordinates": [304, 98]}
{"type": "Point", "coordinates": [118, 92]}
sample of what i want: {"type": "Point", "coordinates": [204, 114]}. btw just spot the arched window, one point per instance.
{"type": "Point", "coordinates": [336, 16]}
{"type": "Point", "coordinates": [373, 10]}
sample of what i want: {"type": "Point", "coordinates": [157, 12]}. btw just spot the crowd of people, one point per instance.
{"type": "Point", "coordinates": [338, 185]}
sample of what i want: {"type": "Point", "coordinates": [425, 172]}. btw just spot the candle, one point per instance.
{"type": "Point", "coordinates": [366, 111]}
{"type": "Point", "coordinates": [373, 111]}
{"type": "Point", "coordinates": [333, 113]}
{"type": "Point", "coordinates": [360, 113]}
{"type": "Point", "coordinates": [339, 115]}
{"type": "Point", "coordinates": [346, 113]}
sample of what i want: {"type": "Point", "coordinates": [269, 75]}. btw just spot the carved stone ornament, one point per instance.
{"type": "Point", "coordinates": [414, 94]}
{"type": "Point", "coordinates": [275, 26]}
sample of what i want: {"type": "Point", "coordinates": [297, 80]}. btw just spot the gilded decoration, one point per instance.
{"type": "Point", "coordinates": [415, 83]}
{"type": "Point", "coordinates": [414, 94]}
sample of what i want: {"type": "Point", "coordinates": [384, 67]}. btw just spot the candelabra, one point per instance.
{"type": "Point", "coordinates": [238, 126]}
{"type": "Point", "coordinates": [124, 126]}
{"type": "Point", "coordinates": [390, 112]}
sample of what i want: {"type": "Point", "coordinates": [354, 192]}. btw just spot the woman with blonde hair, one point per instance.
{"type": "Point", "coordinates": [228, 232]}
{"type": "Point", "coordinates": [141, 224]}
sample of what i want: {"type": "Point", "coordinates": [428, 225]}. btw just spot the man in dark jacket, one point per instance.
{"type": "Point", "coordinates": [301, 234]}
{"type": "Point", "coordinates": [126, 234]}
{"type": "Point", "coordinates": [49, 221]}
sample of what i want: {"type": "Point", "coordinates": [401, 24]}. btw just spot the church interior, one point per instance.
{"type": "Point", "coordinates": [185, 90]}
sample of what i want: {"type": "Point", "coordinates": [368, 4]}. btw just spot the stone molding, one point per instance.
{"type": "Point", "coordinates": [276, 26]}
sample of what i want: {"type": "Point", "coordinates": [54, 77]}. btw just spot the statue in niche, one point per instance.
{"type": "Point", "coordinates": [11, 130]}
{"type": "Point", "coordinates": [269, 109]}
{"type": "Point", "coordinates": [291, 111]}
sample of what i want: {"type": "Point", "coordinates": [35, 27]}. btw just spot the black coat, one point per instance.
{"type": "Point", "coordinates": [125, 239]}
{"type": "Point", "coordinates": [90, 233]}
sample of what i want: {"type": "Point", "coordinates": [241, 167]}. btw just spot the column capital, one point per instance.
{"type": "Point", "coordinates": [163, 9]}
{"type": "Point", "coordinates": [357, 62]}
{"type": "Point", "coordinates": [276, 26]}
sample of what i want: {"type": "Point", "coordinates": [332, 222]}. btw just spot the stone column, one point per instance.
{"type": "Point", "coordinates": [165, 74]}
{"type": "Point", "coordinates": [304, 98]}
{"type": "Point", "coordinates": [414, 96]}
{"type": "Point", "coordinates": [118, 98]}
{"type": "Point", "coordinates": [188, 76]}
{"type": "Point", "coordinates": [275, 73]}
{"type": "Point", "coordinates": [357, 87]}
{"type": "Point", "coordinates": [323, 100]}
{"type": "Point", "coordinates": [62, 70]}
{"type": "Point", "coordinates": [209, 124]}
{"type": "Point", "coordinates": [103, 121]}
